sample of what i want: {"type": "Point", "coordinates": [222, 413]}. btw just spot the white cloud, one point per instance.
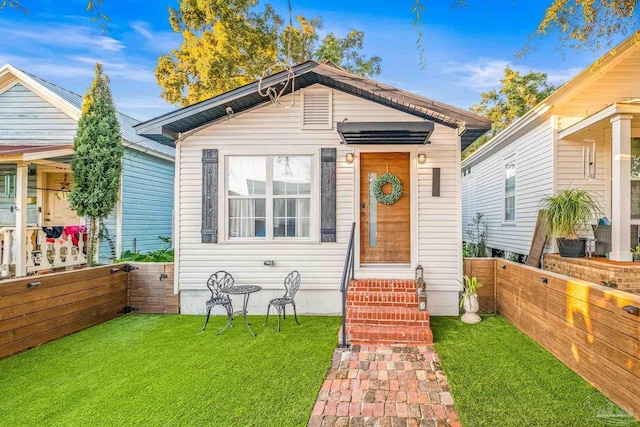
{"type": "Point", "coordinates": [481, 75]}
{"type": "Point", "coordinates": [158, 41]}
{"type": "Point", "coordinates": [62, 36]}
{"type": "Point", "coordinates": [122, 69]}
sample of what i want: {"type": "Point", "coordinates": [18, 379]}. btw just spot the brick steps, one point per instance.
{"type": "Point", "coordinates": [389, 299]}
{"type": "Point", "coordinates": [385, 312]}
{"type": "Point", "coordinates": [387, 316]}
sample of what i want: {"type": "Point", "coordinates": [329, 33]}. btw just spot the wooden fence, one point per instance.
{"type": "Point", "coordinates": [38, 309]}
{"type": "Point", "coordinates": [581, 323]}
{"type": "Point", "coordinates": [151, 288]}
{"type": "Point", "coordinates": [484, 270]}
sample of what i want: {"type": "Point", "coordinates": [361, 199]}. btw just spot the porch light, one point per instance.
{"type": "Point", "coordinates": [349, 157]}
{"type": "Point", "coordinates": [422, 158]}
{"type": "Point", "coordinates": [64, 185]}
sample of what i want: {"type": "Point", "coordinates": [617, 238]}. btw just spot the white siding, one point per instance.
{"type": "Point", "coordinates": [272, 130]}
{"type": "Point", "coordinates": [533, 153]}
{"type": "Point", "coordinates": [26, 118]}
{"type": "Point", "coordinates": [569, 169]}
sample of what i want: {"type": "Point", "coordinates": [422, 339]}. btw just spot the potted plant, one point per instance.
{"type": "Point", "coordinates": [636, 254]}
{"type": "Point", "coordinates": [568, 212]}
{"type": "Point", "coordinates": [469, 300]}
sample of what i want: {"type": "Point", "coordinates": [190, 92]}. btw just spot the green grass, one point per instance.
{"type": "Point", "coordinates": [500, 377]}
{"type": "Point", "coordinates": [160, 370]}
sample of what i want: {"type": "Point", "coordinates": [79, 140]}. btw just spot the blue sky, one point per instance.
{"type": "Point", "coordinates": [466, 48]}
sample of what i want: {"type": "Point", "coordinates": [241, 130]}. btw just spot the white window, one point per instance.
{"type": "Point", "coordinates": [269, 197]}
{"type": "Point", "coordinates": [635, 180]}
{"type": "Point", "coordinates": [510, 191]}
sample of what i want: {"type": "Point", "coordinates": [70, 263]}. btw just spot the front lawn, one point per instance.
{"type": "Point", "coordinates": [500, 377]}
{"type": "Point", "coordinates": [160, 370]}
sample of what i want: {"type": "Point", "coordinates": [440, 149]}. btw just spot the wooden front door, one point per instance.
{"type": "Point", "coordinates": [57, 211]}
{"type": "Point", "coordinates": [385, 230]}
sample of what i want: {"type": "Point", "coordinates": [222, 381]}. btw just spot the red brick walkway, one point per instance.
{"type": "Point", "coordinates": [386, 386]}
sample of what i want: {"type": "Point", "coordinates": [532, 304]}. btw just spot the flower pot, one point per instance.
{"type": "Point", "coordinates": [571, 248]}
{"type": "Point", "coordinates": [471, 307]}
{"type": "Point", "coordinates": [636, 257]}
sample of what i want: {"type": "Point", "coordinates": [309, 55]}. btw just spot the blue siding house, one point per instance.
{"type": "Point", "coordinates": [38, 121]}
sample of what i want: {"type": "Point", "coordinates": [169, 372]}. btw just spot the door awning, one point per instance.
{"type": "Point", "coordinates": [385, 132]}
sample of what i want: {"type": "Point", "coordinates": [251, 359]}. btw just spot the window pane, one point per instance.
{"type": "Point", "coordinates": [291, 217]}
{"type": "Point", "coordinates": [247, 218]}
{"type": "Point", "coordinates": [291, 175]}
{"type": "Point", "coordinates": [510, 191]}
{"type": "Point", "coordinates": [635, 199]}
{"type": "Point", "coordinates": [247, 176]}
{"type": "Point", "coordinates": [635, 158]}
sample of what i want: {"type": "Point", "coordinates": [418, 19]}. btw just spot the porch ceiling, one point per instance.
{"type": "Point", "coordinates": [600, 120]}
{"type": "Point", "coordinates": [33, 152]}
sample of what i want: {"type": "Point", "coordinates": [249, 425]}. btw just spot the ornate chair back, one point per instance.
{"type": "Point", "coordinates": [291, 284]}
{"type": "Point", "coordinates": [218, 281]}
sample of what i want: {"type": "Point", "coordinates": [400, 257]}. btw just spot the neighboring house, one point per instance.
{"type": "Point", "coordinates": [585, 135]}
{"type": "Point", "coordinates": [38, 122]}
{"type": "Point", "coordinates": [283, 184]}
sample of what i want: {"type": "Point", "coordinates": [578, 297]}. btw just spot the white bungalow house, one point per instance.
{"type": "Point", "coordinates": [287, 181]}
{"type": "Point", "coordinates": [585, 135]}
{"type": "Point", "coordinates": [38, 122]}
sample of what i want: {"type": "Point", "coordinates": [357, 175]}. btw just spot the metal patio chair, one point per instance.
{"type": "Point", "coordinates": [217, 282]}
{"type": "Point", "coordinates": [291, 285]}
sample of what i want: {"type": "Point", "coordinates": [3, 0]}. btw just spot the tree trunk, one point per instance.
{"type": "Point", "coordinates": [92, 242]}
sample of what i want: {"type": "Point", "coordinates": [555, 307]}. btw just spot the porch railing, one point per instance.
{"type": "Point", "coordinates": [347, 276]}
{"type": "Point", "coordinates": [40, 253]}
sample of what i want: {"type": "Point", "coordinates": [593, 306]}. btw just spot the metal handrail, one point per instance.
{"type": "Point", "coordinates": [347, 276]}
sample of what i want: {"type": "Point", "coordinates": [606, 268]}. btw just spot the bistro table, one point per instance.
{"type": "Point", "coordinates": [245, 291]}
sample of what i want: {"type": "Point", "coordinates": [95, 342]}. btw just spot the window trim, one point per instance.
{"type": "Point", "coordinates": [269, 198]}
{"type": "Point", "coordinates": [471, 195]}
{"type": "Point", "coordinates": [512, 158]}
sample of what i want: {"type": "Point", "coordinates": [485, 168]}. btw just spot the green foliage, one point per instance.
{"type": "Point", "coordinates": [97, 160]}
{"type": "Point", "coordinates": [499, 377]}
{"type": "Point", "coordinates": [160, 370]}
{"type": "Point", "coordinates": [471, 285]}
{"type": "Point", "coordinates": [160, 255]}
{"type": "Point", "coordinates": [517, 95]}
{"type": "Point", "coordinates": [229, 43]}
{"type": "Point", "coordinates": [568, 212]}
{"type": "Point", "coordinates": [396, 189]}
{"type": "Point", "coordinates": [477, 246]}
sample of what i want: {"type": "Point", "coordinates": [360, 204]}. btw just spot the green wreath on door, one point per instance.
{"type": "Point", "coordinates": [396, 189]}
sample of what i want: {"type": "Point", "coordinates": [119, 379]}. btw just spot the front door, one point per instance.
{"type": "Point", "coordinates": [57, 211]}
{"type": "Point", "coordinates": [385, 230]}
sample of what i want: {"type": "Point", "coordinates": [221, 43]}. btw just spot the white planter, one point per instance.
{"type": "Point", "coordinates": [471, 307]}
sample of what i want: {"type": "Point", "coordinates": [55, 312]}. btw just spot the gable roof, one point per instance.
{"type": "Point", "coordinates": [169, 126]}
{"type": "Point", "coordinates": [570, 89]}
{"type": "Point", "coordinates": [74, 102]}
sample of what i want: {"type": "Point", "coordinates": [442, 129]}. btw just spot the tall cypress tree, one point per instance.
{"type": "Point", "coordinates": [97, 162]}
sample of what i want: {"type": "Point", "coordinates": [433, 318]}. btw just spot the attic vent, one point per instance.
{"type": "Point", "coordinates": [316, 109]}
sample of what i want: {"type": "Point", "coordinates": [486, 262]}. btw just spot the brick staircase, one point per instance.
{"type": "Point", "coordinates": [385, 312]}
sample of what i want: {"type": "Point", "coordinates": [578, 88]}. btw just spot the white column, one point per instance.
{"type": "Point", "coordinates": [22, 176]}
{"type": "Point", "coordinates": [621, 187]}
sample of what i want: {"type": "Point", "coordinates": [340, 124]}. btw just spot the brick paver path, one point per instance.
{"type": "Point", "coordinates": [390, 386]}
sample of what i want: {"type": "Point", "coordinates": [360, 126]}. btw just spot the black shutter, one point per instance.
{"type": "Point", "coordinates": [435, 183]}
{"type": "Point", "coordinates": [327, 194]}
{"type": "Point", "coordinates": [209, 196]}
